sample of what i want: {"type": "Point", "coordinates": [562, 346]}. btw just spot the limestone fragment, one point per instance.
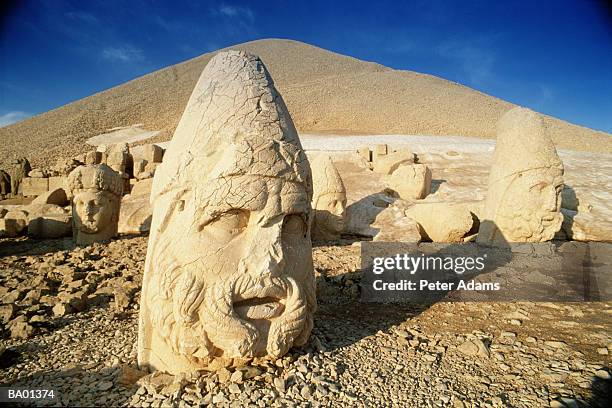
{"type": "Point", "coordinates": [229, 269]}
{"type": "Point", "coordinates": [153, 153]}
{"type": "Point", "coordinates": [442, 221]}
{"type": "Point", "coordinates": [93, 157]}
{"type": "Point", "coordinates": [411, 181]}
{"type": "Point", "coordinates": [32, 186]}
{"type": "Point", "coordinates": [525, 183]}
{"type": "Point", "coordinates": [135, 213]}
{"type": "Point", "coordinates": [388, 163]}
{"type": "Point", "coordinates": [328, 201]}
{"type": "Point", "coordinates": [96, 192]}
{"type": "Point", "coordinates": [56, 197]}
{"type": "Point", "coordinates": [583, 226]}
{"type": "Point", "coordinates": [395, 226]}
{"type": "Point", "coordinates": [48, 221]}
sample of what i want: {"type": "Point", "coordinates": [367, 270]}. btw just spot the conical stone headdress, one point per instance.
{"type": "Point", "coordinates": [522, 144]}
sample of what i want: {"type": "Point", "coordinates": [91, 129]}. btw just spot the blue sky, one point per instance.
{"type": "Point", "coordinates": [552, 56]}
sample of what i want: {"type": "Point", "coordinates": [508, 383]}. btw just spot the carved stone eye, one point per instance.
{"type": "Point", "coordinates": [294, 224]}
{"type": "Point", "coordinates": [232, 222]}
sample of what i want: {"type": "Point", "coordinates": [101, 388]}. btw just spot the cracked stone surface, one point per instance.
{"type": "Point", "coordinates": [95, 191]}
{"type": "Point", "coordinates": [523, 198]}
{"type": "Point", "coordinates": [229, 265]}
{"type": "Point", "coordinates": [329, 199]}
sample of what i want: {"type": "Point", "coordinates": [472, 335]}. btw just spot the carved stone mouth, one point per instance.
{"type": "Point", "coordinates": [261, 300]}
{"type": "Point", "coordinates": [259, 308]}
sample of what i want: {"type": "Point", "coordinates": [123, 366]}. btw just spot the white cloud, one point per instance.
{"type": "Point", "coordinates": [123, 54]}
{"type": "Point", "coordinates": [477, 63]}
{"type": "Point", "coordinates": [12, 117]}
{"type": "Point", "coordinates": [82, 16]}
{"type": "Point", "coordinates": [237, 11]}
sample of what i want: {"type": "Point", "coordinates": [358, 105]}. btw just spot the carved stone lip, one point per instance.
{"type": "Point", "coordinates": [261, 299]}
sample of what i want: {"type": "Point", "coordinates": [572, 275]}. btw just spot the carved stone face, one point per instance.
{"type": "Point", "coordinates": [94, 210]}
{"type": "Point", "coordinates": [236, 274]}
{"type": "Point", "coordinates": [529, 209]}
{"type": "Point", "coordinates": [330, 214]}
{"type": "Point", "coordinates": [229, 268]}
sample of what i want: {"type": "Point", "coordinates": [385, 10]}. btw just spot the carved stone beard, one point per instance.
{"type": "Point", "coordinates": [203, 322]}
{"type": "Point", "coordinates": [524, 226]}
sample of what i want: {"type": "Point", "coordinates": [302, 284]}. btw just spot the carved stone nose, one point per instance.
{"type": "Point", "coordinates": [265, 257]}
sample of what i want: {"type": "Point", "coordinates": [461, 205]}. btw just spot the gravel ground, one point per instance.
{"type": "Point", "coordinates": [447, 354]}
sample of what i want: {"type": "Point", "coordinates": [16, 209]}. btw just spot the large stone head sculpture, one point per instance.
{"type": "Point", "coordinates": [525, 182]}
{"type": "Point", "coordinates": [328, 201]}
{"type": "Point", "coordinates": [96, 197]}
{"type": "Point", "coordinates": [229, 264]}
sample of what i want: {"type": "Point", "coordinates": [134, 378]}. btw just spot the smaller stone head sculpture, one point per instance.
{"type": "Point", "coordinates": [525, 182]}
{"type": "Point", "coordinates": [96, 196]}
{"type": "Point", "coordinates": [328, 201]}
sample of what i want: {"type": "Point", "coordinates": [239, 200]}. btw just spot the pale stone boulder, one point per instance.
{"type": "Point", "coordinates": [96, 198]}
{"type": "Point", "coordinates": [442, 221]}
{"type": "Point", "coordinates": [152, 153]}
{"type": "Point", "coordinates": [389, 162]}
{"type": "Point", "coordinates": [57, 196]}
{"type": "Point", "coordinates": [11, 227]}
{"type": "Point", "coordinates": [32, 186]}
{"type": "Point", "coordinates": [395, 226]}
{"type": "Point", "coordinates": [118, 158]}
{"type": "Point", "coordinates": [135, 213]}
{"type": "Point", "coordinates": [13, 223]}
{"type": "Point", "coordinates": [48, 221]}
{"type": "Point", "coordinates": [525, 182]}
{"type": "Point", "coordinates": [410, 182]}
{"type": "Point", "coordinates": [365, 153]}
{"type": "Point", "coordinates": [63, 167]}
{"type": "Point", "coordinates": [361, 214]}
{"type": "Point", "coordinates": [93, 157]}
{"type": "Point", "coordinates": [328, 200]}
{"type": "Point", "coordinates": [56, 182]}
{"type": "Point", "coordinates": [580, 226]}
{"type": "Point", "coordinates": [38, 173]}
{"type": "Point", "coordinates": [229, 271]}
{"type": "Point", "coordinates": [379, 151]}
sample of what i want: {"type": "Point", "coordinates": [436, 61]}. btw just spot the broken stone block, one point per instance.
{"type": "Point", "coordinates": [11, 227]}
{"type": "Point", "coordinates": [581, 226]}
{"type": "Point", "coordinates": [37, 173]}
{"type": "Point", "coordinates": [62, 309]}
{"type": "Point", "coordinates": [58, 182]}
{"type": "Point", "coordinates": [93, 157]}
{"type": "Point", "coordinates": [388, 163]}
{"type": "Point", "coordinates": [56, 197]}
{"type": "Point", "coordinates": [395, 226]}
{"type": "Point", "coordinates": [151, 167]}
{"type": "Point", "coordinates": [379, 151]}
{"type": "Point", "coordinates": [153, 153]}
{"type": "Point", "coordinates": [134, 214]}
{"type": "Point", "coordinates": [410, 182]}
{"type": "Point", "coordinates": [31, 186]}
{"type": "Point", "coordinates": [7, 312]}
{"type": "Point", "coordinates": [139, 167]}
{"type": "Point", "coordinates": [50, 226]}
{"type": "Point", "coordinates": [442, 221]}
{"type": "Point", "coordinates": [21, 330]}
{"type": "Point", "coordinates": [365, 153]}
